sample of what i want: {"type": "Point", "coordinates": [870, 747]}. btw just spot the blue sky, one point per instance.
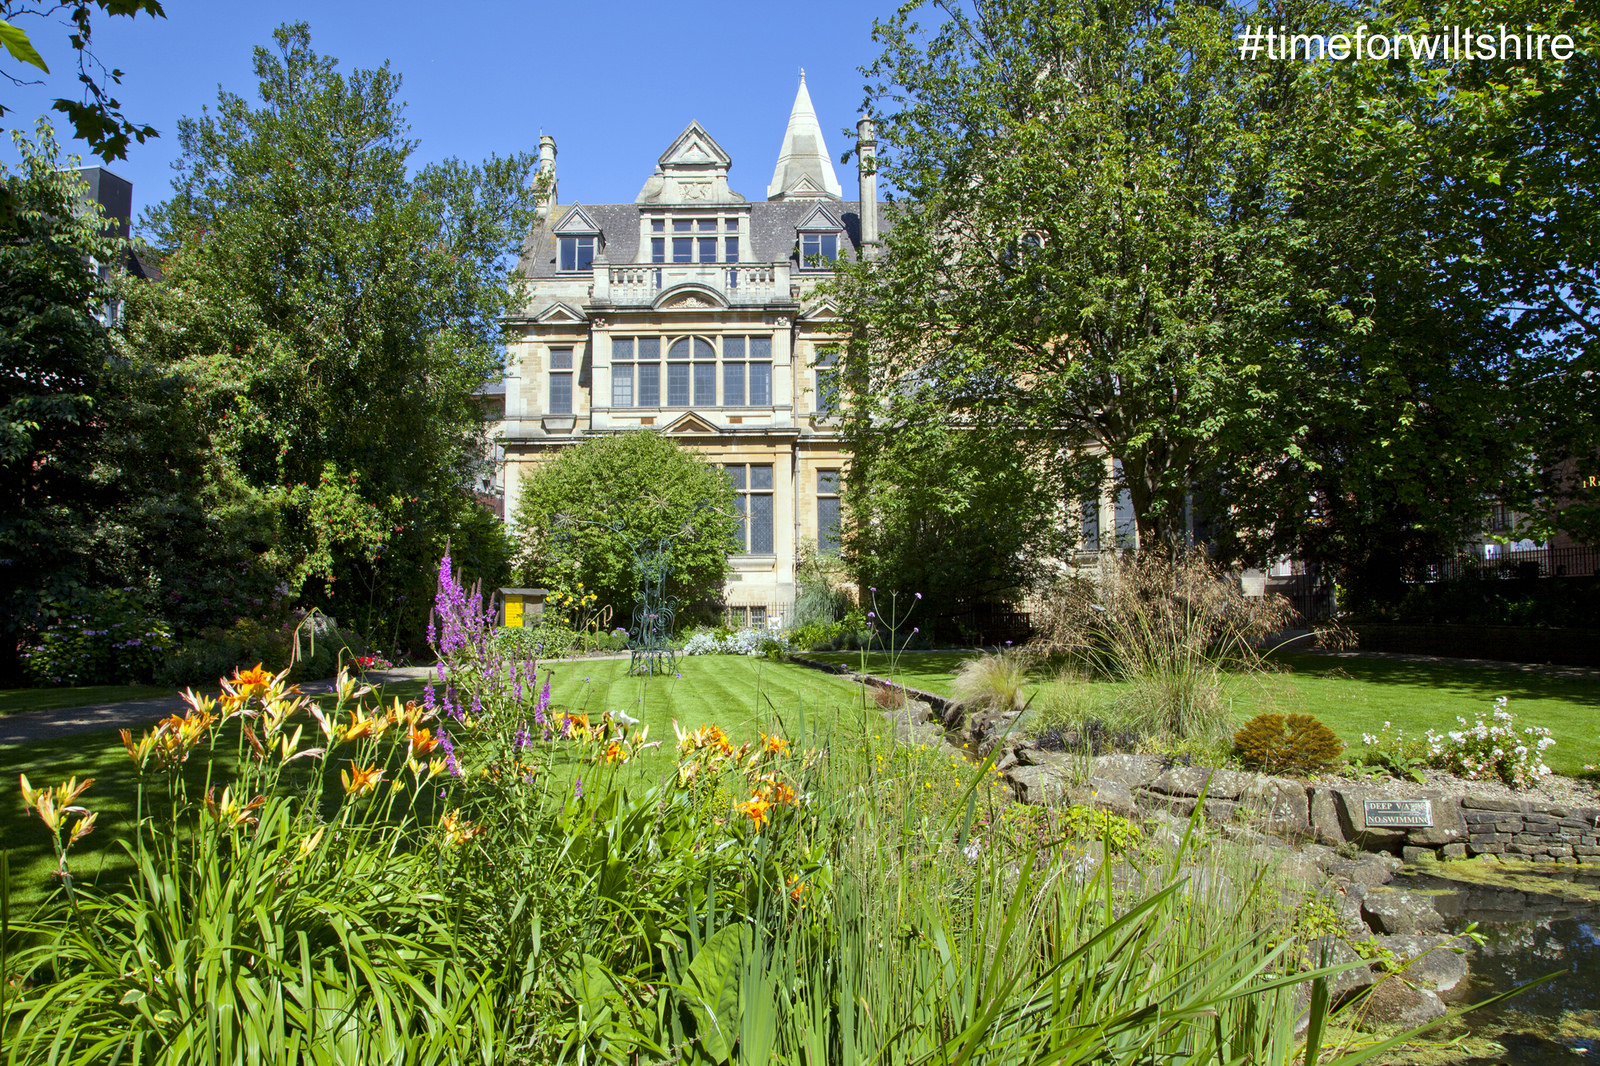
{"type": "Point", "coordinates": [613, 82]}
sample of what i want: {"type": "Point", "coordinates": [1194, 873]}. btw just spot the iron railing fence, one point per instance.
{"type": "Point", "coordinates": [1527, 563]}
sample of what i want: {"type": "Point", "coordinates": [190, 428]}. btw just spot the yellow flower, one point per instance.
{"type": "Point", "coordinates": [615, 751]}
{"type": "Point", "coordinates": [775, 791]}
{"type": "Point", "coordinates": [362, 725]}
{"type": "Point", "coordinates": [756, 810]}
{"type": "Point", "coordinates": [309, 844]}
{"type": "Point", "coordinates": [774, 745]}
{"type": "Point", "coordinates": [358, 781]}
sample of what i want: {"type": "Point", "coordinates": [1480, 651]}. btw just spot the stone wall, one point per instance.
{"type": "Point", "coordinates": [1464, 824]}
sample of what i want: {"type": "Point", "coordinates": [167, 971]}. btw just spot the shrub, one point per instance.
{"type": "Point", "coordinates": [991, 682]}
{"type": "Point", "coordinates": [105, 637]}
{"type": "Point", "coordinates": [1487, 749]}
{"type": "Point", "coordinates": [217, 652]}
{"type": "Point", "coordinates": [1168, 627]}
{"type": "Point", "coordinates": [1299, 744]}
{"type": "Point", "coordinates": [754, 642]}
{"type": "Point", "coordinates": [1491, 749]}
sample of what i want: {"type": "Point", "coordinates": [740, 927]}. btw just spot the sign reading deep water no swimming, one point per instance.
{"type": "Point", "coordinates": [1397, 814]}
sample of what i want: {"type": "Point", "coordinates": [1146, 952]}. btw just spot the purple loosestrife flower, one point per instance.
{"type": "Point", "coordinates": [477, 704]}
{"type": "Point", "coordinates": [449, 748]}
{"type": "Point", "coordinates": [516, 684]}
{"type": "Point", "coordinates": [520, 739]}
{"type": "Point", "coordinates": [577, 789]}
{"type": "Point", "coordinates": [429, 701]}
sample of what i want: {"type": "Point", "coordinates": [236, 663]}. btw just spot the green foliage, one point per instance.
{"type": "Point", "coordinates": [52, 361]}
{"type": "Point", "coordinates": [819, 600]}
{"type": "Point", "coordinates": [217, 652]}
{"type": "Point", "coordinates": [1117, 833]}
{"type": "Point", "coordinates": [325, 319]}
{"type": "Point", "coordinates": [654, 489]}
{"type": "Point", "coordinates": [964, 515]}
{"type": "Point", "coordinates": [106, 637]}
{"type": "Point", "coordinates": [1392, 751]}
{"type": "Point", "coordinates": [1298, 744]}
{"type": "Point", "coordinates": [97, 117]}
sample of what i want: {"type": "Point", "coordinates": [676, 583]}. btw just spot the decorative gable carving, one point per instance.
{"type": "Point", "coordinates": [823, 309]}
{"type": "Point", "coordinates": [689, 297]}
{"type": "Point", "coordinates": [689, 424]}
{"type": "Point", "coordinates": [577, 222]}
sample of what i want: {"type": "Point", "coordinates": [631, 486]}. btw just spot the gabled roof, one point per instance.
{"type": "Point", "coordinates": [819, 219]}
{"type": "Point", "coordinates": [694, 147]}
{"type": "Point", "coordinates": [558, 312]}
{"type": "Point", "coordinates": [577, 220]}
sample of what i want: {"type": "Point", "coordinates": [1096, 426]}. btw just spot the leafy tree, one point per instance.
{"type": "Point", "coordinates": [98, 117]}
{"type": "Point", "coordinates": [647, 486]}
{"type": "Point", "coordinates": [52, 362]}
{"type": "Point", "coordinates": [1094, 186]}
{"type": "Point", "coordinates": [328, 318]}
{"type": "Point", "coordinates": [959, 513]}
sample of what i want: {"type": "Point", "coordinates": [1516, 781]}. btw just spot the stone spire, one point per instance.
{"type": "Point", "coordinates": [804, 171]}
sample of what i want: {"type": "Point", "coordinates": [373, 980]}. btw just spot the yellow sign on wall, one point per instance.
{"type": "Point", "coordinates": [514, 612]}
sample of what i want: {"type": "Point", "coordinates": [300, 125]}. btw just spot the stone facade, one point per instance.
{"type": "Point", "coordinates": [693, 311]}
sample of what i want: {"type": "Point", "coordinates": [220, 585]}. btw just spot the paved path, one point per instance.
{"type": "Point", "coordinates": [25, 727]}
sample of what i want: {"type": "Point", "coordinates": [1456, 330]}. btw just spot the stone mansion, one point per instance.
{"type": "Point", "coordinates": [692, 311]}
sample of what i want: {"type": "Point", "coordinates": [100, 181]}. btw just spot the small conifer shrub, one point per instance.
{"type": "Point", "coordinates": [1298, 744]}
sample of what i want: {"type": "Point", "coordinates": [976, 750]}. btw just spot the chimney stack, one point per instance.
{"type": "Point", "coordinates": [867, 168]}
{"type": "Point", "coordinates": [547, 171]}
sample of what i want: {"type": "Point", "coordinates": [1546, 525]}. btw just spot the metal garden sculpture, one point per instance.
{"type": "Point", "coordinates": [654, 613]}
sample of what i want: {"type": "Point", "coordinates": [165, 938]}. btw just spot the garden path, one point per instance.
{"type": "Point", "coordinates": [25, 727]}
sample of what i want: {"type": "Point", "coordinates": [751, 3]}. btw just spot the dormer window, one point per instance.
{"type": "Point", "coordinates": [819, 241]}
{"type": "Point", "coordinates": [818, 250]}
{"type": "Point", "coordinates": [577, 253]}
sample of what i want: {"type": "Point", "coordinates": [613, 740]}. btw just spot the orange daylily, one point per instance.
{"type": "Point", "coordinates": [422, 741]}
{"type": "Point", "coordinates": [51, 804]}
{"type": "Point", "coordinates": [229, 811]}
{"type": "Point", "coordinates": [358, 780]}
{"type": "Point", "coordinates": [756, 810]}
{"type": "Point", "coordinates": [251, 682]}
{"type": "Point", "coordinates": [362, 725]}
{"type": "Point", "coordinates": [774, 745]}
{"type": "Point", "coordinates": [775, 791]}
{"type": "Point", "coordinates": [615, 751]}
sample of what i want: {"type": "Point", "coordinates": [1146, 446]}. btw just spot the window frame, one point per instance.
{"type": "Point", "coordinates": [830, 492]}
{"type": "Point", "coordinates": [577, 241]}
{"type": "Point", "coordinates": [746, 493]}
{"type": "Point", "coordinates": [558, 372]}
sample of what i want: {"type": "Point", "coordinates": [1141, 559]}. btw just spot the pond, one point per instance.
{"type": "Point", "coordinates": [1534, 921]}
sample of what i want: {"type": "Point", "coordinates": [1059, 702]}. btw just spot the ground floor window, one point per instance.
{"type": "Point", "coordinates": [828, 511]}
{"type": "Point", "coordinates": [752, 484]}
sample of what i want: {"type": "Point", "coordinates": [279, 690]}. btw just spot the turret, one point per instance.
{"type": "Point", "coordinates": [867, 170]}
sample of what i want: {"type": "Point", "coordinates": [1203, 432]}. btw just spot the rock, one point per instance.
{"type": "Point", "coordinates": [1393, 1002]}
{"type": "Point", "coordinates": [1392, 911]}
{"type": "Point", "coordinates": [1431, 961]}
{"type": "Point", "coordinates": [1324, 816]}
{"type": "Point", "coordinates": [1038, 785]}
{"type": "Point", "coordinates": [1334, 951]}
{"type": "Point", "coordinates": [1411, 854]}
{"type": "Point", "coordinates": [921, 734]}
{"type": "Point", "coordinates": [1299, 868]}
{"type": "Point", "coordinates": [1107, 795]}
{"type": "Point", "coordinates": [1453, 851]}
{"type": "Point", "coordinates": [1279, 806]}
{"type": "Point", "coordinates": [1447, 827]}
{"type": "Point", "coordinates": [1492, 803]}
{"type": "Point", "coordinates": [992, 725]}
{"type": "Point", "coordinates": [1129, 771]}
{"type": "Point", "coordinates": [1353, 821]}
{"type": "Point", "coordinates": [1190, 781]}
{"type": "Point", "coordinates": [1006, 761]}
{"type": "Point", "coordinates": [1368, 871]}
{"type": "Point", "coordinates": [1348, 900]}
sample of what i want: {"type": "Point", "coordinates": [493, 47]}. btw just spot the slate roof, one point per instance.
{"type": "Point", "coordinates": [770, 238]}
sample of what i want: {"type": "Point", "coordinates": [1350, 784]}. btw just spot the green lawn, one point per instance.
{"type": "Point", "coordinates": [13, 700]}
{"type": "Point", "coordinates": [739, 693]}
{"type": "Point", "coordinates": [1353, 696]}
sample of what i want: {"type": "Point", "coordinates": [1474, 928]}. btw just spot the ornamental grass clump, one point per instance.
{"type": "Point", "coordinates": [1169, 627]}
{"type": "Point", "coordinates": [992, 682]}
